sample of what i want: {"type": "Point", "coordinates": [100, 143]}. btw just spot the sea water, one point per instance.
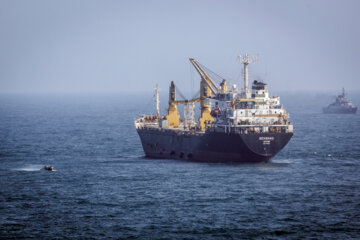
{"type": "Point", "coordinates": [104, 187]}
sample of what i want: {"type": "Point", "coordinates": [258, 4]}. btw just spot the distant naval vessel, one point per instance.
{"type": "Point", "coordinates": [341, 105]}
{"type": "Point", "coordinates": [242, 125]}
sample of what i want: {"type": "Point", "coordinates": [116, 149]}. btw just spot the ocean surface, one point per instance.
{"type": "Point", "coordinates": [104, 187]}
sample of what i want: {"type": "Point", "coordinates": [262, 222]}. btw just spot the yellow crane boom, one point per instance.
{"type": "Point", "coordinates": [204, 76]}
{"type": "Point", "coordinates": [207, 89]}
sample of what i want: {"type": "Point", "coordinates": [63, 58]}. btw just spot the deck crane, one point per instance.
{"type": "Point", "coordinates": [173, 116]}
{"type": "Point", "coordinates": [207, 89]}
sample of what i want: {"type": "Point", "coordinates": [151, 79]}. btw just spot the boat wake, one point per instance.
{"type": "Point", "coordinates": [31, 168]}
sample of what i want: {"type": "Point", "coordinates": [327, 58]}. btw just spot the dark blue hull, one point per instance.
{"type": "Point", "coordinates": [212, 146]}
{"type": "Point", "coordinates": [340, 110]}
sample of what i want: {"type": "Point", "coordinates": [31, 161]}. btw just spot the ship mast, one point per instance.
{"type": "Point", "coordinates": [246, 61]}
{"type": "Point", "coordinates": [157, 101]}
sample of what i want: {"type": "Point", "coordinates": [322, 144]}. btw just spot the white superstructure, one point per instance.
{"type": "Point", "coordinates": [259, 109]}
{"type": "Point", "coordinates": [249, 108]}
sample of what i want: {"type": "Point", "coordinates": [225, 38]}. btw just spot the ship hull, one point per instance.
{"type": "Point", "coordinates": [212, 146]}
{"type": "Point", "coordinates": [340, 110]}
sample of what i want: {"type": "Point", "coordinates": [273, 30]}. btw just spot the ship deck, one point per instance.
{"type": "Point", "coordinates": [195, 130]}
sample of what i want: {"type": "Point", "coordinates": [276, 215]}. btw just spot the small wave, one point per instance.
{"type": "Point", "coordinates": [121, 159]}
{"type": "Point", "coordinates": [273, 164]}
{"type": "Point", "coordinates": [283, 161]}
{"type": "Point", "coordinates": [128, 156]}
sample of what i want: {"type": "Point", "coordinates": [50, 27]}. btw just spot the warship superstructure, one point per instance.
{"type": "Point", "coordinates": [341, 105]}
{"type": "Point", "coordinates": [234, 125]}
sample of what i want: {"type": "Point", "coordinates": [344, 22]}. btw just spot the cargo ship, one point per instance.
{"type": "Point", "coordinates": [341, 105]}
{"type": "Point", "coordinates": [235, 125]}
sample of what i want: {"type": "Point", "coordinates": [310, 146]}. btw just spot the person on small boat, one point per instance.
{"type": "Point", "coordinates": [49, 168]}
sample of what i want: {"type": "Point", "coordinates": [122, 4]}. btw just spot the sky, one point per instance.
{"type": "Point", "coordinates": [86, 46]}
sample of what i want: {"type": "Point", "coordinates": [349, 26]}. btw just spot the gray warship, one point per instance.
{"type": "Point", "coordinates": [341, 105]}
{"type": "Point", "coordinates": [235, 125]}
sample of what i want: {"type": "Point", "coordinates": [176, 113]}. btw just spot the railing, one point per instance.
{"type": "Point", "coordinates": [251, 128]}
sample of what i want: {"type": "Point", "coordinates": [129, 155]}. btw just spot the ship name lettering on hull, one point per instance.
{"type": "Point", "coordinates": [266, 140]}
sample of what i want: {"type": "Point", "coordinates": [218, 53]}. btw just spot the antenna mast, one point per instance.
{"type": "Point", "coordinates": [246, 61]}
{"type": "Point", "coordinates": [157, 101]}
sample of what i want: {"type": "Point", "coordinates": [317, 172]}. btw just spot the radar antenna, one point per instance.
{"type": "Point", "coordinates": [245, 59]}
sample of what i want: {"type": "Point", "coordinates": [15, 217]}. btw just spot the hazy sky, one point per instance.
{"type": "Point", "coordinates": [116, 46]}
